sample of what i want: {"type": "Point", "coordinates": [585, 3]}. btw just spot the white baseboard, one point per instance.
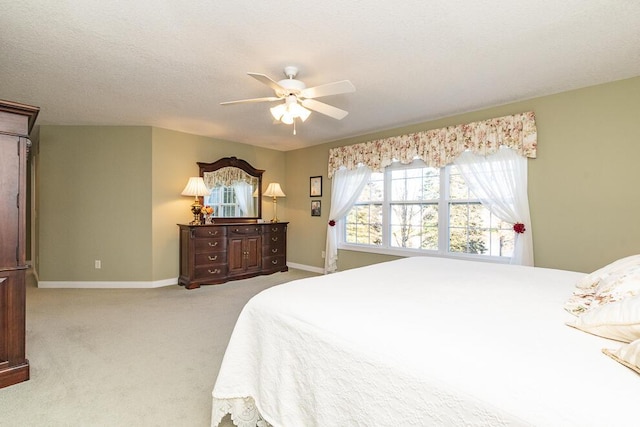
{"type": "Point", "coordinates": [108, 285]}
{"type": "Point", "coordinates": [304, 267]}
{"type": "Point", "coordinates": [143, 285]}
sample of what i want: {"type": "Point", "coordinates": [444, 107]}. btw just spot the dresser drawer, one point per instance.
{"type": "Point", "coordinates": [211, 258]}
{"type": "Point", "coordinates": [216, 244]}
{"type": "Point", "coordinates": [211, 272]}
{"type": "Point", "coordinates": [210, 231]}
{"type": "Point", "coordinates": [274, 262]}
{"type": "Point", "coordinates": [244, 230]}
{"type": "Point", "coordinates": [275, 228]}
{"type": "Point", "coordinates": [274, 249]}
{"type": "Point", "coordinates": [274, 239]}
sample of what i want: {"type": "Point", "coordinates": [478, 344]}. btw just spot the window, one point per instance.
{"type": "Point", "coordinates": [415, 208]}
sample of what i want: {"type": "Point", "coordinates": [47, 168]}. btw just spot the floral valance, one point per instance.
{"type": "Point", "coordinates": [226, 176]}
{"type": "Point", "coordinates": [439, 147]}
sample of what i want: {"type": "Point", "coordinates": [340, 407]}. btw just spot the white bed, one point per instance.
{"type": "Point", "coordinates": [421, 341]}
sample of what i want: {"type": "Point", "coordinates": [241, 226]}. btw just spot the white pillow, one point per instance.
{"type": "Point", "coordinates": [618, 320]}
{"type": "Point", "coordinates": [627, 354]}
{"type": "Point", "coordinates": [611, 283]}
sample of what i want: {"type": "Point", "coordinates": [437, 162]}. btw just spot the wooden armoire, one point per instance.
{"type": "Point", "coordinates": [16, 122]}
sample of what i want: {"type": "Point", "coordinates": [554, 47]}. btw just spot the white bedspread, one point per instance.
{"type": "Point", "coordinates": [423, 341]}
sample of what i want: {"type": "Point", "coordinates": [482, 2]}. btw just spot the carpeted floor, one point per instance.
{"type": "Point", "coordinates": [132, 357]}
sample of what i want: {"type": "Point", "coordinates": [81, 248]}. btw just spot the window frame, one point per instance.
{"type": "Point", "coordinates": [443, 226]}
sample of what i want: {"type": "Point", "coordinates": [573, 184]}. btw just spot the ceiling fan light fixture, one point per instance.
{"type": "Point", "coordinates": [299, 111]}
{"type": "Point", "coordinates": [278, 111]}
{"type": "Point", "coordinates": [299, 100]}
{"type": "Point", "coordinates": [287, 118]}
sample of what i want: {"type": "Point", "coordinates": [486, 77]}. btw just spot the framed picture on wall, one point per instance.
{"type": "Point", "coordinates": [315, 186]}
{"type": "Point", "coordinates": [315, 208]}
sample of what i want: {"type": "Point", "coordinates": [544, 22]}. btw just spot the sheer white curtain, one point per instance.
{"type": "Point", "coordinates": [244, 197]}
{"type": "Point", "coordinates": [346, 187]}
{"type": "Point", "coordinates": [499, 180]}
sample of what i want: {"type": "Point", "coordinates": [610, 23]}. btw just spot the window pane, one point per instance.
{"type": "Point", "coordinates": [364, 225]}
{"type": "Point", "coordinates": [414, 226]}
{"type": "Point", "coordinates": [473, 229]}
{"type": "Point", "coordinates": [457, 187]}
{"type": "Point", "coordinates": [415, 184]}
{"type": "Point", "coordinates": [374, 190]}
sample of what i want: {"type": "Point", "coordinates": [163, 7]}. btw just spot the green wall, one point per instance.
{"type": "Point", "coordinates": [582, 187]}
{"type": "Point", "coordinates": [113, 194]}
{"type": "Point", "coordinates": [94, 203]}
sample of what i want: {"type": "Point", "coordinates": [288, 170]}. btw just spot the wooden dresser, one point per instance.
{"type": "Point", "coordinates": [217, 253]}
{"type": "Point", "coordinates": [16, 122]}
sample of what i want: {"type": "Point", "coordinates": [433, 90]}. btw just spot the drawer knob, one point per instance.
{"type": "Point", "coordinates": [274, 229]}
{"type": "Point", "coordinates": [212, 258]}
{"type": "Point", "coordinates": [274, 250]}
{"type": "Point", "coordinates": [216, 271]}
{"type": "Point", "coordinates": [274, 262]}
{"type": "Point", "coordinates": [274, 239]}
{"type": "Point", "coordinates": [213, 244]}
{"type": "Point", "coordinates": [213, 233]}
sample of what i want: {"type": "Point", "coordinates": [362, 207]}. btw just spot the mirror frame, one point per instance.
{"type": "Point", "coordinates": [240, 164]}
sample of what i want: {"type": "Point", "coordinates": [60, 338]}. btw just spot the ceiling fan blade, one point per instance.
{"type": "Point", "coordinates": [335, 88]}
{"type": "Point", "coordinates": [267, 81]}
{"type": "Point", "coordinates": [322, 108]}
{"type": "Point", "coordinates": [266, 99]}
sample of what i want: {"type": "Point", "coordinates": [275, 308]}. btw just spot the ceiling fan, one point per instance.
{"type": "Point", "coordinates": [298, 98]}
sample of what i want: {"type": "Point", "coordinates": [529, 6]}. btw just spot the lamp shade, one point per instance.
{"type": "Point", "coordinates": [196, 187]}
{"type": "Point", "coordinates": [274, 190]}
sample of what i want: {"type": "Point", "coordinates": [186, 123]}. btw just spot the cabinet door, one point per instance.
{"type": "Point", "coordinates": [9, 211]}
{"type": "Point", "coordinates": [235, 255]}
{"type": "Point", "coordinates": [253, 253]}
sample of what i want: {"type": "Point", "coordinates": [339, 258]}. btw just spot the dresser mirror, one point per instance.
{"type": "Point", "coordinates": [236, 190]}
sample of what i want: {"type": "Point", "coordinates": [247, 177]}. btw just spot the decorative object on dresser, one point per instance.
{"type": "Point", "coordinates": [196, 187]}
{"type": "Point", "coordinates": [217, 253]}
{"type": "Point", "coordinates": [274, 190]}
{"type": "Point", "coordinates": [16, 122]}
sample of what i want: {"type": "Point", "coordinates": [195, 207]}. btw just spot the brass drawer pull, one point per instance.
{"type": "Point", "coordinates": [213, 244]}
{"type": "Point", "coordinates": [215, 233]}
{"type": "Point", "coordinates": [274, 239]}
{"type": "Point", "coordinates": [212, 258]}
{"type": "Point", "coordinates": [274, 250]}
{"type": "Point", "coordinates": [274, 229]}
{"type": "Point", "coordinates": [274, 262]}
{"type": "Point", "coordinates": [216, 271]}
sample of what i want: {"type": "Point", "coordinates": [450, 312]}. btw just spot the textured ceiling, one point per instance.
{"type": "Point", "coordinates": [169, 63]}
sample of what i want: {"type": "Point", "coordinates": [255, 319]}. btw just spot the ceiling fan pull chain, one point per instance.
{"type": "Point", "coordinates": [294, 126]}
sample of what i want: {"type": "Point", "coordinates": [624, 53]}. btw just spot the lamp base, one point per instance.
{"type": "Point", "coordinates": [196, 208]}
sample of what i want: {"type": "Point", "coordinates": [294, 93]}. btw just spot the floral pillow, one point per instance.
{"type": "Point", "coordinates": [628, 355]}
{"type": "Point", "coordinates": [619, 320]}
{"type": "Point", "coordinates": [611, 283]}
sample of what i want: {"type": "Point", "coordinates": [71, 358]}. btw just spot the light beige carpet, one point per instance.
{"type": "Point", "coordinates": [132, 357]}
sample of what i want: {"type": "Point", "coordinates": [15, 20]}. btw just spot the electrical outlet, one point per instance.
{"type": "Point", "coordinates": [98, 264]}
{"type": "Point", "coordinates": [323, 254]}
